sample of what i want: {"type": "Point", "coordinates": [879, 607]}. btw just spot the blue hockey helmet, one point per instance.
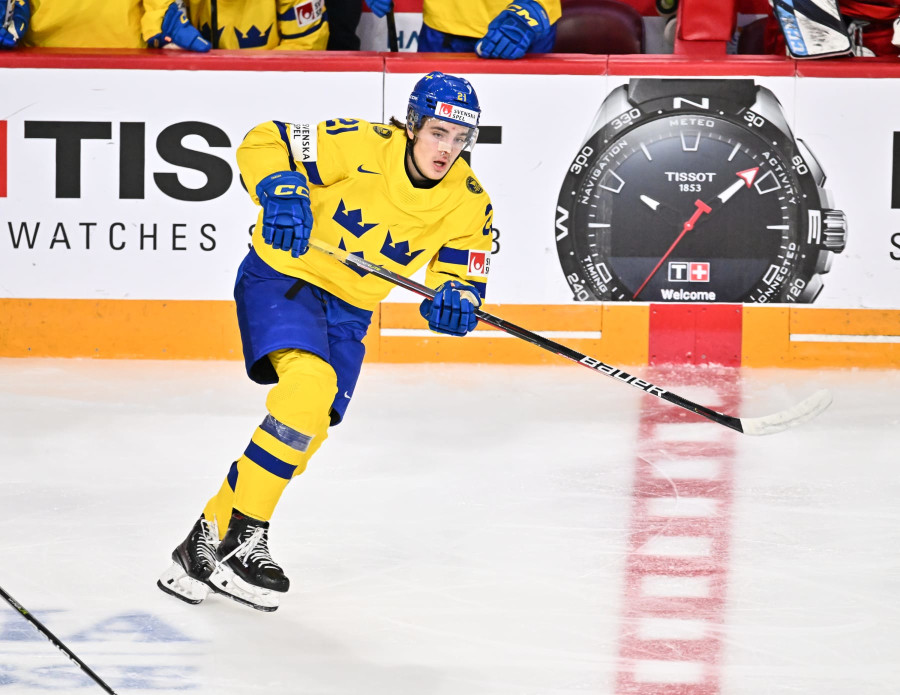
{"type": "Point", "coordinates": [447, 98]}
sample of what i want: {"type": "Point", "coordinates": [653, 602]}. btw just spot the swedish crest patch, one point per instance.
{"type": "Point", "coordinates": [473, 185]}
{"type": "Point", "coordinates": [382, 131]}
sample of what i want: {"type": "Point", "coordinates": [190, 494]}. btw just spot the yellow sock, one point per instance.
{"type": "Point", "coordinates": [297, 424]}
{"type": "Point", "coordinates": [219, 507]}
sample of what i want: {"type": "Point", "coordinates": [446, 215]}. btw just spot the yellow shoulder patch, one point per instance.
{"type": "Point", "coordinates": [473, 185]}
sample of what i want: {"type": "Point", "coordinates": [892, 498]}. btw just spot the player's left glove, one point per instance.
{"type": "Point", "coordinates": [177, 29]}
{"type": "Point", "coordinates": [452, 311]}
{"type": "Point", "coordinates": [18, 24]}
{"type": "Point", "coordinates": [287, 216]}
{"type": "Point", "coordinates": [380, 7]}
{"type": "Point", "coordinates": [511, 32]}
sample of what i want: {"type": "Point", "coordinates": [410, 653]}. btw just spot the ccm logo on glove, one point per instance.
{"type": "Point", "coordinates": [287, 217]}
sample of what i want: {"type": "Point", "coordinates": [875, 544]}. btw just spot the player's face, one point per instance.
{"type": "Point", "coordinates": [438, 144]}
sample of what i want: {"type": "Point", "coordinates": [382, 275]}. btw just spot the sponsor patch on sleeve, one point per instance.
{"type": "Point", "coordinates": [302, 137]}
{"type": "Point", "coordinates": [479, 264]}
{"type": "Point", "coordinates": [309, 12]}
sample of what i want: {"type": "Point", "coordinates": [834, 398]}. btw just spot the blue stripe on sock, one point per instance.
{"type": "Point", "coordinates": [232, 476]}
{"type": "Point", "coordinates": [267, 461]}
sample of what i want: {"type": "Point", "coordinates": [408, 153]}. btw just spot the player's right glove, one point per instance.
{"type": "Point", "coordinates": [452, 311]}
{"type": "Point", "coordinates": [511, 32]}
{"type": "Point", "coordinates": [18, 24]}
{"type": "Point", "coordinates": [287, 216]}
{"type": "Point", "coordinates": [380, 7]}
{"type": "Point", "coordinates": [177, 29]}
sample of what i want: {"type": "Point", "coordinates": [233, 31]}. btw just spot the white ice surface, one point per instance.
{"type": "Point", "coordinates": [464, 532]}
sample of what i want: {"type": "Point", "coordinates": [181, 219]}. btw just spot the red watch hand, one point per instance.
{"type": "Point", "coordinates": [688, 226]}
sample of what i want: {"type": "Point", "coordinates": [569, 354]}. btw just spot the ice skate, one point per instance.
{"type": "Point", "coordinates": [193, 562]}
{"type": "Point", "coordinates": [246, 571]}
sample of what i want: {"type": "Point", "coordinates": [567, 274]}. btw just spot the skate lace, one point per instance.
{"type": "Point", "coordinates": [256, 549]}
{"type": "Point", "coordinates": [209, 538]}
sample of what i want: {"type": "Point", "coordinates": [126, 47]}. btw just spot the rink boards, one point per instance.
{"type": "Point", "coordinates": [122, 217]}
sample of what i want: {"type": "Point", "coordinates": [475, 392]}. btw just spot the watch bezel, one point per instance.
{"type": "Point", "coordinates": [618, 118]}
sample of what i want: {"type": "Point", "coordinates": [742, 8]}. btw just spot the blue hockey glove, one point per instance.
{"type": "Point", "coordinates": [178, 30]}
{"type": "Point", "coordinates": [452, 311]}
{"type": "Point", "coordinates": [380, 7]}
{"type": "Point", "coordinates": [511, 32]}
{"type": "Point", "coordinates": [287, 217]}
{"type": "Point", "coordinates": [18, 24]}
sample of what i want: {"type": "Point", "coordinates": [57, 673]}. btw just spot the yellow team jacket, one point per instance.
{"type": "Point", "coordinates": [94, 23]}
{"type": "Point", "coordinates": [282, 24]}
{"type": "Point", "coordinates": [472, 17]}
{"type": "Point", "coordinates": [362, 201]}
{"type": "Point", "coordinates": [288, 24]}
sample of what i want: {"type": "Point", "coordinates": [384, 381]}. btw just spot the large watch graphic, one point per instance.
{"type": "Point", "coordinates": [695, 190]}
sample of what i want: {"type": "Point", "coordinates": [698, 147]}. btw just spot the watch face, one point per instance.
{"type": "Point", "coordinates": [693, 205]}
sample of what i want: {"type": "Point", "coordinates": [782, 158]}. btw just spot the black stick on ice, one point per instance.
{"type": "Point", "coordinates": [768, 424]}
{"type": "Point", "coordinates": [55, 640]}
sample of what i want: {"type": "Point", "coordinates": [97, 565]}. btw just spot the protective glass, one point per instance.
{"type": "Point", "coordinates": [448, 136]}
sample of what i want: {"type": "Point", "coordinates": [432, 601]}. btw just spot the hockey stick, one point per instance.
{"type": "Point", "coordinates": [392, 33]}
{"type": "Point", "coordinates": [55, 640]}
{"type": "Point", "coordinates": [768, 424]}
{"type": "Point", "coordinates": [7, 15]}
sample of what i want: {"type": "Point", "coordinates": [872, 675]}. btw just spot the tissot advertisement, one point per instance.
{"type": "Point", "coordinates": [695, 190]}
{"type": "Point", "coordinates": [605, 188]}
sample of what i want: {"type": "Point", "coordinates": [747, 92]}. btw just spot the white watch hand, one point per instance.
{"type": "Point", "coordinates": [745, 178]}
{"type": "Point", "coordinates": [649, 202]}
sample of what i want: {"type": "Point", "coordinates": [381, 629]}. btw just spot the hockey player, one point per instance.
{"type": "Point", "coordinates": [398, 195]}
{"type": "Point", "coordinates": [105, 24]}
{"type": "Point", "coordinates": [490, 28]}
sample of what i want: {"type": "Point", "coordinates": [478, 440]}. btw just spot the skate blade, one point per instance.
{"type": "Point", "coordinates": [225, 582]}
{"type": "Point", "coordinates": [176, 582]}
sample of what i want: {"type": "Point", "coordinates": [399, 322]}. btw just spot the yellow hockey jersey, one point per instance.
{"type": "Point", "coordinates": [472, 17]}
{"type": "Point", "coordinates": [363, 201]}
{"type": "Point", "coordinates": [94, 23]}
{"type": "Point", "coordinates": [263, 24]}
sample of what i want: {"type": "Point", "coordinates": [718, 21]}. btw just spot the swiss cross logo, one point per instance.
{"type": "Point", "coordinates": [699, 272]}
{"type": "Point", "coordinates": [309, 12]}
{"type": "Point", "coordinates": [693, 271]}
{"type": "Point", "coordinates": [479, 264]}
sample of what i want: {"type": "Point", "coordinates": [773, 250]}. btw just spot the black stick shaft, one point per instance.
{"type": "Point", "coordinates": [535, 339]}
{"type": "Point", "coordinates": [392, 33]}
{"type": "Point", "coordinates": [55, 640]}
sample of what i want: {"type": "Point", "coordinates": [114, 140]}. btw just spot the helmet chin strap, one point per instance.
{"type": "Point", "coordinates": [412, 157]}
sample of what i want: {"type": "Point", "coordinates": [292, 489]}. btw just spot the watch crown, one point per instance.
{"type": "Point", "coordinates": [834, 230]}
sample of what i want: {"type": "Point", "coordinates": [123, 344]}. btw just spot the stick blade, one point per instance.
{"type": "Point", "coordinates": [804, 411]}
